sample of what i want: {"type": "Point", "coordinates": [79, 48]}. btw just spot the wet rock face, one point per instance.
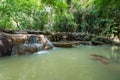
{"type": "Point", "coordinates": [6, 44]}
{"type": "Point", "coordinates": [45, 42]}
{"type": "Point", "coordinates": [19, 38]}
{"type": "Point", "coordinates": [26, 48]}
{"type": "Point", "coordinates": [22, 43]}
{"type": "Point", "coordinates": [32, 44]}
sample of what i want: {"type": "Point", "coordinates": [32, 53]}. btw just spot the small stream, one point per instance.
{"type": "Point", "coordinates": [63, 64]}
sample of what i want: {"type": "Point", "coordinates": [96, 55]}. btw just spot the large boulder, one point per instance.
{"type": "Point", "coordinates": [19, 38]}
{"type": "Point", "coordinates": [45, 42]}
{"type": "Point", "coordinates": [6, 44]}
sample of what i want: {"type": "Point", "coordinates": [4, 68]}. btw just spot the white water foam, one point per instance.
{"type": "Point", "coordinates": [44, 51]}
{"type": "Point", "coordinates": [41, 52]}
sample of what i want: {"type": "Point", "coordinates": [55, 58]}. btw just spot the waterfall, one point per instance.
{"type": "Point", "coordinates": [33, 39]}
{"type": "Point", "coordinates": [49, 44]}
{"type": "Point", "coordinates": [32, 45]}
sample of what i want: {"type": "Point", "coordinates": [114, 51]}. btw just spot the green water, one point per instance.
{"type": "Point", "coordinates": [62, 64]}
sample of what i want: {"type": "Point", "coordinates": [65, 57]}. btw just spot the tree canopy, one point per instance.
{"type": "Point", "coordinates": [89, 16]}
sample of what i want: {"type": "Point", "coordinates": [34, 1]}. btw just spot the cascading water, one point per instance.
{"type": "Point", "coordinates": [32, 45]}
{"type": "Point", "coordinates": [33, 40]}
{"type": "Point", "coordinates": [49, 44]}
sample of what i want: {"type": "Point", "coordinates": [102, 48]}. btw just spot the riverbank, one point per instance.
{"type": "Point", "coordinates": [22, 42]}
{"type": "Point", "coordinates": [81, 38]}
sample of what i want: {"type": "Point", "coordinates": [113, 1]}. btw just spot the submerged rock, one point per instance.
{"type": "Point", "coordinates": [100, 58]}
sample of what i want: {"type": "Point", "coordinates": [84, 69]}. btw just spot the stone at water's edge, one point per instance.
{"type": "Point", "coordinates": [22, 43]}
{"type": "Point", "coordinates": [30, 43]}
{"type": "Point", "coordinates": [83, 38]}
{"type": "Point", "coordinates": [65, 44]}
{"type": "Point", "coordinates": [6, 44]}
{"type": "Point", "coordinates": [26, 48]}
{"type": "Point", "coordinates": [34, 43]}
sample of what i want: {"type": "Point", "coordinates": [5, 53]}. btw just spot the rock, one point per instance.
{"type": "Point", "coordinates": [45, 42]}
{"type": "Point", "coordinates": [100, 58]}
{"type": "Point", "coordinates": [94, 42]}
{"type": "Point", "coordinates": [34, 32]}
{"type": "Point", "coordinates": [101, 41]}
{"type": "Point", "coordinates": [64, 36]}
{"type": "Point", "coordinates": [22, 43]}
{"type": "Point", "coordinates": [6, 44]}
{"type": "Point", "coordinates": [85, 42]}
{"type": "Point", "coordinates": [116, 43]}
{"type": "Point", "coordinates": [26, 49]}
{"type": "Point", "coordinates": [19, 38]}
{"type": "Point", "coordinates": [64, 44]}
{"type": "Point", "coordinates": [33, 44]}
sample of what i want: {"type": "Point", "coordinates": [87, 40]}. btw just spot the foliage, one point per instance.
{"type": "Point", "coordinates": [109, 10]}
{"type": "Point", "coordinates": [65, 23]}
{"type": "Point", "coordinates": [100, 17]}
{"type": "Point", "coordinates": [22, 14]}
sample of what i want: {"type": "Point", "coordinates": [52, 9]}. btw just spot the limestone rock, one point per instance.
{"type": "Point", "coordinates": [6, 44]}
{"type": "Point", "coordinates": [22, 43]}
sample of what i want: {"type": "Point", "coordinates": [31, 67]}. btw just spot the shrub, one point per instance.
{"type": "Point", "coordinates": [64, 23]}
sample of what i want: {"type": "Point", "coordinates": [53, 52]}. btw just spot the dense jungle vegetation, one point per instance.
{"type": "Point", "coordinates": [100, 17]}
